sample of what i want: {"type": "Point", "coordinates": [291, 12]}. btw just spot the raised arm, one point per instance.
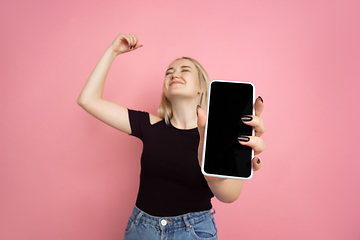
{"type": "Point", "coordinates": [90, 97]}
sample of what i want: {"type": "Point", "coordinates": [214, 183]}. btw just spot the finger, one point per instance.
{"type": "Point", "coordinates": [136, 40]}
{"type": "Point", "coordinates": [121, 36]}
{"type": "Point", "coordinates": [132, 41]}
{"type": "Point", "coordinates": [259, 106]}
{"type": "Point", "coordinates": [127, 40]}
{"type": "Point", "coordinates": [257, 163]}
{"type": "Point", "coordinates": [202, 116]}
{"type": "Point", "coordinates": [256, 143]}
{"type": "Point", "coordinates": [137, 46]}
{"type": "Point", "coordinates": [256, 122]}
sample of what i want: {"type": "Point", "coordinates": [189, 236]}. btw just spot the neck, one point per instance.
{"type": "Point", "coordinates": [184, 114]}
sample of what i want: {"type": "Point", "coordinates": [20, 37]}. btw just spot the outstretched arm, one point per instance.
{"type": "Point", "coordinates": [228, 190]}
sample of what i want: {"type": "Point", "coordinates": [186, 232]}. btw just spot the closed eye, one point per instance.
{"type": "Point", "coordinates": [183, 69]}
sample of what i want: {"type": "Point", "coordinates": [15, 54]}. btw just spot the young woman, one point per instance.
{"type": "Point", "coordinates": [174, 198]}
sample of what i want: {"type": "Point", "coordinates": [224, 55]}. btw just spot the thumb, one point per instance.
{"type": "Point", "coordinates": [136, 47]}
{"type": "Point", "coordinates": [202, 116]}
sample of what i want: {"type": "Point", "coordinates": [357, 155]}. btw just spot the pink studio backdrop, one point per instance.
{"type": "Point", "coordinates": [66, 175]}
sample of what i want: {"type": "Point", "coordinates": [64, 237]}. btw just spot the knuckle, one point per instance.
{"type": "Point", "coordinates": [258, 144]}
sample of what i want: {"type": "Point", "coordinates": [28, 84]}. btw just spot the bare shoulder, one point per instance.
{"type": "Point", "coordinates": [154, 119]}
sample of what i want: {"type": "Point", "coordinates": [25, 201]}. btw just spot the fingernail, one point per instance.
{"type": "Point", "coordinates": [135, 45]}
{"type": "Point", "coordinates": [261, 99]}
{"type": "Point", "coordinates": [197, 108]}
{"type": "Point", "coordinates": [247, 118]}
{"type": "Point", "coordinates": [244, 139]}
{"type": "Point", "coordinates": [258, 161]}
{"type": "Point", "coordinates": [131, 46]}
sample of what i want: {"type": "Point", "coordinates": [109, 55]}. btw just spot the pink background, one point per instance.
{"type": "Point", "coordinates": [66, 175]}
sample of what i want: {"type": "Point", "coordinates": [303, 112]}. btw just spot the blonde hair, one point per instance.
{"type": "Point", "coordinates": [165, 110]}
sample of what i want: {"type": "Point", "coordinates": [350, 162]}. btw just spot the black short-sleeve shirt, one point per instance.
{"type": "Point", "coordinates": [171, 182]}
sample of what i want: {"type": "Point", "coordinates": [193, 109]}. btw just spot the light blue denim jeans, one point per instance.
{"type": "Point", "coordinates": [197, 225]}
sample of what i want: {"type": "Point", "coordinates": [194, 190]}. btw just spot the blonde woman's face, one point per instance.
{"type": "Point", "coordinates": [181, 80]}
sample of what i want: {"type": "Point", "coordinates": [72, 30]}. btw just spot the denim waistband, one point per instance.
{"type": "Point", "coordinates": [170, 222]}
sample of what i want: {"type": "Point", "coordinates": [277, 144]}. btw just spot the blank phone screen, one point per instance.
{"type": "Point", "coordinates": [224, 155]}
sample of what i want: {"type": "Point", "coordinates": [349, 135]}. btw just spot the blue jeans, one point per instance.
{"type": "Point", "coordinates": [197, 225]}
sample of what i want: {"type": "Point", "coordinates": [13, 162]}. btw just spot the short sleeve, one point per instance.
{"type": "Point", "coordinates": [139, 122]}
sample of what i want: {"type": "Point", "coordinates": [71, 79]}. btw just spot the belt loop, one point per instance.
{"type": "Point", "coordinates": [137, 219]}
{"type": "Point", "coordinates": [187, 223]}
{"type": "Point", "coordinates": [213, 211]}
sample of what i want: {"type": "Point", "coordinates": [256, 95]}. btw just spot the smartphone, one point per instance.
{"type": "Point", "coordinates": [223, 155]}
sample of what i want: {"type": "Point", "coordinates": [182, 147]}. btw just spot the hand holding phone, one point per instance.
{"type": "Point", "coordinates": [223, 155]}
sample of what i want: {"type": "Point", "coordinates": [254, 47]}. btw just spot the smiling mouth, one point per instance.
{"type": "Point", "coordinates": [176, 82]}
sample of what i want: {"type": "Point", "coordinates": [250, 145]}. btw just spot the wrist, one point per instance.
{"type": "Point", "coordinates": [111, 53]}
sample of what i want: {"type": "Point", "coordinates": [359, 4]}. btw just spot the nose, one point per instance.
{"type": "Point", "coordinates": [174, 75]}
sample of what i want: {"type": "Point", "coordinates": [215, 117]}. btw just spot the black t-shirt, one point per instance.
{"type": "Point", "coordinates": [171, 182]}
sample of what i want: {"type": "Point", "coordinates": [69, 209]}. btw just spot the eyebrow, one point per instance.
{"type": "Point", "coordinates": [180, 67]}
{"type": "Point", "coordinates": [185, 67]}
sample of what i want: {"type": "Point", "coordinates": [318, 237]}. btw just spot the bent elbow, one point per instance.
{"type": "Point", "coordinates": [81, 101]}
